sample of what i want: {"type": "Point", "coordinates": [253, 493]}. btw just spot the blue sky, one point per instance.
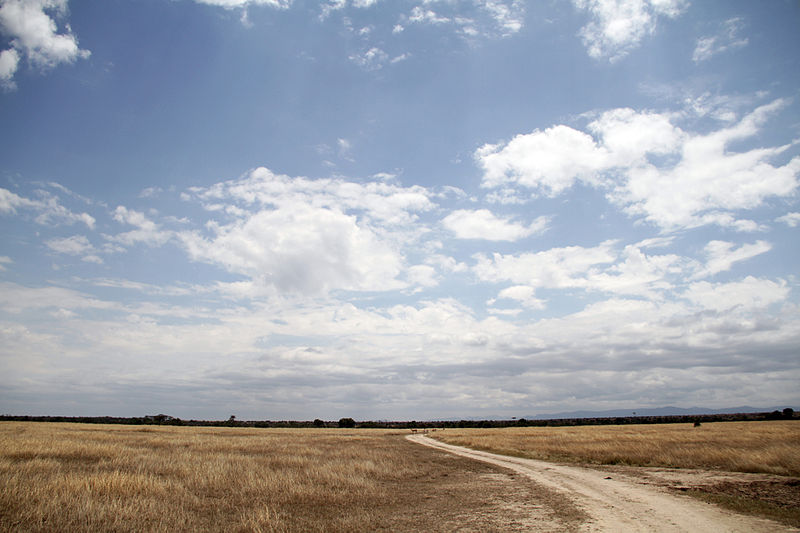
{"type": "Point", "coordinates": [397, 209]}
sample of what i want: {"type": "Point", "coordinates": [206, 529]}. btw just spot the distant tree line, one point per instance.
{"type": "Point", "coordinates": [166, 420]}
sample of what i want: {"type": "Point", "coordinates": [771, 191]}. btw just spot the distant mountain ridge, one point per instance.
{"type": "Point", "coordinates": [657, 411]}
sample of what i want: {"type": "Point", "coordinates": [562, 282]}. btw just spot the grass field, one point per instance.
{"type": "Point", "coordinates": [767, 447]}
{"type": "Point", "coordinates": [82, 477]}
{"type": "Point", "coordinates": [76, 477]}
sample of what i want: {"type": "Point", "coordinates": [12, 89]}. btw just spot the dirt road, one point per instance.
{"type": "Point", "coordinates": [618, 503]}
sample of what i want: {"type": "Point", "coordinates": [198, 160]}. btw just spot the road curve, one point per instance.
{"type": "Point", "coordinates": [618, 505]}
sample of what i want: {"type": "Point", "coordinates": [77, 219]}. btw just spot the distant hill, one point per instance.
{"type": "Point", "coordinates": [658, 411]}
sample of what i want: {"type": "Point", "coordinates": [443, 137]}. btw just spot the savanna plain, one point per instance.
{"type": "Point", "coordinates": [81, 477]}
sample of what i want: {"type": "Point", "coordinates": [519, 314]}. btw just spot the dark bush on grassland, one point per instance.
{"type": "Point", "coordinates": [347, 423]}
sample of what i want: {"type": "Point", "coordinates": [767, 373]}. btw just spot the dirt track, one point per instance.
{"type": "Point", "coordinates": [616, 503]}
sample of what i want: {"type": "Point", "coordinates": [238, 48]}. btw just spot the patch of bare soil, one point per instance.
{"type": "Point", "coordinates": [451, 494]}
{"type": "Point", "coordinates": [765, 495]}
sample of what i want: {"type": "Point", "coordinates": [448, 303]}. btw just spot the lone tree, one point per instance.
{"type": "Point", "coordinates": [347, 423]}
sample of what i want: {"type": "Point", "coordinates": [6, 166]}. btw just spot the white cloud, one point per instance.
{"type": "Point", "coordinates": [555, 268]}
{"type": "Point", "coordinates": [506, 196]}
{"type": "Point", "coordinates": [147, 232]}
{"type": "Point", "coordinates": [420, 15]}
{"type": "Point", "coordinates": [345, 149]}
{"type": "Point", "coordinates": [638, 274]}
{"type": "Point", "coordinates": [372, 59]}
{"type": "Point", "coordinates": [618, 26]}
{"type": "Point", "coordinates": [628, 136]}
{"type": "Point", "coordinates": [398, 59]}
{"type": "Point", "coordinates": [727, 39]}
{"type": "Point", "coordinates": [553, 159]}
{"type": "Point", "coordinates": [4, 260]}
{"type": "Point", "coordinates": [229, 4]}
{"type": "Point", "coordinates": [9, 202]}
{"type": "Point", "coordinates": [523, 294]}
{"type": "Point", "coordinates": [483, 224]}
{"type": "Point", "coordinates": [150, 192]}
{"type": "Point", "coordinates": [790, 219]}
{"type": "Point", "coordinates": [598, 269]}
{"type": "Point", "coordinates": [17, 298]}
{"type": "Point", "coordinates": [509, 16]}
{"type": "Point", "coordinates": [75, 245]}
{"type": "Point", "coordinates": [9, 59]}
{"type": "Point", "coordinates": [709, 183]}
{"type": "Point", "coordinates": [696, 180]}
{"type": "Point", "coordinates": [446, 263]}
{"type": "Point", "coordinates": [48, 208]}
{"type": "Point", "coordinates": [422, 276]}
{"type": "Point", "coordinates": [301, 248]}
{"type": "Point", "coordinates": [330, 7]}
{"type": "Point", "coordinates": [34, 34]}
{"type": "Point", "coordinates": [313, 236]}
{"type": "Point", "coordinates": [722, 255]}
{"type": "Point", "coordinates": [749, 294]}
{"type": "Point", "coordinates": [549, 160]}
{"type": "Point", "coordinates": [480, 18]}
{"type": "Point", "coordinates": [383, 204]}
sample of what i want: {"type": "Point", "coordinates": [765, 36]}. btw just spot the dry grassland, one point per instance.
{"type": "Point", "coordinates": [74, 477]}
{"type": "Point", "coordinates": [767, 447]}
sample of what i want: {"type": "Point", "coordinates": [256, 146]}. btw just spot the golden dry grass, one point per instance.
{"type": "Point", "coordinates": [71, 477]}
{"type": "Point", "coordinates": [81, 478]}
{"type": "Point", "coordinates": [769, 447]}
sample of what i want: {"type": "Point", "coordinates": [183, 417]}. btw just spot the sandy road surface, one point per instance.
{"type": "Point", "coordinates": [619, 504]}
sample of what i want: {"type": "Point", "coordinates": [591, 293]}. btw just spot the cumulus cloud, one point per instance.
{"type": "Point", "coordinates": [34, 35]}
{"type": "Point", "coordinates": [301, 248]}
{"type": "Point", "coordinates": [650, 166]}
{"type": "Point", "coordinates": [549, 160]}
{"type": "Point", "coordinates": [727, 39]}
{"type": "Point", "coordinates": [709, 183]}
{"type": "Point", "coordinates": [312, 236]}
{"type": "Point", "coordinates": [618, 26]}
{"type": "Point", "coordinates": [483, 224]}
